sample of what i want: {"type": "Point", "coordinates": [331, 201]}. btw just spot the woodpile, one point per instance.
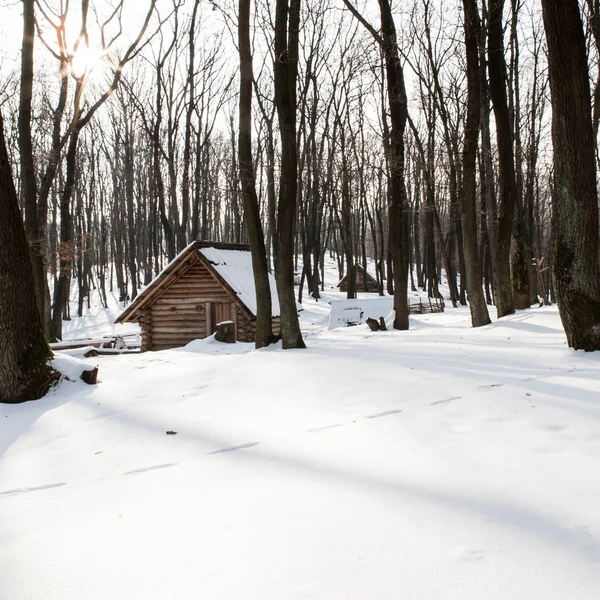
{"type": "Point", "coordinates": [437, 306]}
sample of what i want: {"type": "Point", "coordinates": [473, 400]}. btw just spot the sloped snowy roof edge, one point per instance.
{"type": "Point", "coordinates": [235, 268]}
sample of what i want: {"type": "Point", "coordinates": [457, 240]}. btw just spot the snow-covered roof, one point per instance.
{"type": "Point", "coordinates": [235, 268]}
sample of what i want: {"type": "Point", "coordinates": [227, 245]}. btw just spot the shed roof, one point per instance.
{"type": "Point", "coordinates": [235, 268]}
{"type": "Point", "coordinates": [358, 267]}
{"type": "Point", "coordinates": [232, 264]}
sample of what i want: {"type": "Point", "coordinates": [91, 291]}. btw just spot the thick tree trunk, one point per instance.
{"type": "Point", "coordinates": [506, 178]}
{"type": "Point", "coordinates": [477, 305]}
{"type": "Point", "coordinates": [264, 326]}
{"type": "Point", "coordinates": [24, 352]}
{"type": "Point", "coordinates": [576, 261]}
{"type": "Point", "coordinates": [287, 25]}
{"type": "Point", "coordinates": [398, 206]}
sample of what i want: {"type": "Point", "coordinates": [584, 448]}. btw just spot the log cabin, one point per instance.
{"type": "Point", "coordinates": [207, 283]}
{"type": "Point", "coordinates": [364, 282]}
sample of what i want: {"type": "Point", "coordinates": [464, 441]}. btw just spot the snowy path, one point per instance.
{"type": "Point", "coordinates": [440, 463]}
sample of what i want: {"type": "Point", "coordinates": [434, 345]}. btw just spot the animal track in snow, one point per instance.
{"type": "Point", "coordinates": [233, 448]}
{"type": "Point", "coordinates": [555, 427]}
{"type": "Point", "coordinates": [445, 400]}
{"type": "Point", "coordinates": [384, 414]}
{"type": "Point", "coordinates": [152, 468]}
{"type": "Point", "coordinates": [36, 488]}
{"type": "Point", "coordinates": [317, 429]}
{"type": "Point", "coordinates": [469, 554]}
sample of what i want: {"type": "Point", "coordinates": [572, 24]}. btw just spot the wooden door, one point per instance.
{"type": "Point", "coordinates": [216, 312]}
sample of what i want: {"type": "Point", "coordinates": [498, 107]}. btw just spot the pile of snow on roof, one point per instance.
{"type": "Point", "coordinates": [235, 267]}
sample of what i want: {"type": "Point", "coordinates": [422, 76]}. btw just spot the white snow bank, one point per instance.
{"type": "Point", "coordinates": [210, 345]}
{"type": "Point", "coordinates": [71, 366]}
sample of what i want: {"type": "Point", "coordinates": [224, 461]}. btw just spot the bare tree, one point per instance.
{"type": "Point", "coordinates": [287, 25]}
{"type": "Point", "coordinates": [477, 305]}
{"type": "Point", "coordinates": [397, 207]}
{"type": "Point", "coordinates": [264, 328]}
{"type": "Point", "coordinates": [24, 352]}
{"type": "Point", "coordinates": [576, 259]}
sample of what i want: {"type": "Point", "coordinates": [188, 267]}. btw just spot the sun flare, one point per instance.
{"type": "Point", "coordinates": [86, 59]}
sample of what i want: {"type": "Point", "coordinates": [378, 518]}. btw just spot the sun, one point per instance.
{"type": "Point", "coordinates": [86, 59]}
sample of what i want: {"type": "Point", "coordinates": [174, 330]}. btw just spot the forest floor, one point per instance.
{"type": "Point", "coordinates": [440, 463]}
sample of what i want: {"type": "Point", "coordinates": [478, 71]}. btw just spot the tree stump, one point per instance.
{"type": "Point", "coordinates": [382, 324]}
{"type": "Point", "coordinates": [373, 324]}
{"type": "Point", "coordinates": [90, 377]}
{"type": "Point", "coordinates": [225, 332]}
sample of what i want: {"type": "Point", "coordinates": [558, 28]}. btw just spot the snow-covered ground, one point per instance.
{"type": "Point", "coordinates": [440, 463]}
{"type": "Point", "coordinates": [97, 321]}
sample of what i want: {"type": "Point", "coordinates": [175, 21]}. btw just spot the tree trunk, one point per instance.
{"type": "Point", "coordinates": [398, 209]}
{"type": "Point", "coordinates": [477, 305]}
{"type": "Point", "coordinates": [506, 180]}
{"type": "Point", "coordinates": [287, 25]}
{"type": "Point", "coordinates": [24, 352]}
{"type": "Point", "coordinates": [264, 327]}
{"type": "Point", "coordinates": [28, 179]}
{"type": "Point", "coordinates": [576, 266]}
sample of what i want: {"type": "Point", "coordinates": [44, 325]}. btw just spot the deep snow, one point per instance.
{"type": "Point", "coordinates": [440, 463]}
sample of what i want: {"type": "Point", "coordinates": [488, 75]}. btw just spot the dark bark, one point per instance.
{"type": "Point", "coordinates": [28, 178]}
{"type": "Point", "coordinates": [477, 305]}
{"type": "Point", "coordinates": [24, 352]}
{"type": "Point", "coordinates": [506, 179]}
{"type": "Point", "coordinates": [576, 262]}
{"type": "Point", "coordinates": [287, 25]}
{"type": "Point", "coordinates": [264, 327]}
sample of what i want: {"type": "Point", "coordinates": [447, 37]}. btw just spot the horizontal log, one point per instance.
{"type": "Point", "coordinates": [175, 341]}
{"type": "Point", "coordinates": [181, 327]}
{"type": "Point", "coordinates": [174, 307]}
{"type": "Point", "coordinates": [190, 300]}
{"type": "Point", "coordinates": [182, 287]}
{"type": "Point", "coordinates": [198, 276]}
{"type": "Point", "coordinates": [217, 295]}
{"type": "Point", "coordinates": [178, 318]}
{"type": "Point", "coordinates": [195, 323]}
{"type": "Point", "coordinates": [176, 330]}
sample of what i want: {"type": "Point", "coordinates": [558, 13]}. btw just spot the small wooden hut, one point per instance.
{"type": "Point", "coordinates": [364, 282]}
{"type": "Point", "coordinates": [207, 283]}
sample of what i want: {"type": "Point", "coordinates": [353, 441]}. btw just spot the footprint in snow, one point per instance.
{"type": "Point", "coordinates": [445, 400]}
{"type": "Point", "coordinates": [37, 488]}
{"type": "Point", "coordinates": [469, 554]}
{"type": "Point", "coordinates": [152, 468]}
{"type": "Point", "coordinates": [555, 427]}
{"type": "Point", "coordinates": [384, 414]}
{"type": "Point", "coordinates": [317, 429]}
{"type": "Point", "coordinates": [491, 385]}
{"type": "Point", "coordinates": [233, 448]}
